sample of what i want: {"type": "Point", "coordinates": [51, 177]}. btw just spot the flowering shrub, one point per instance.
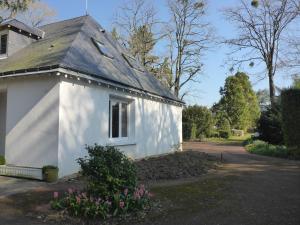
{"type": "Point", "coordinates": [111, 186]}
{"type": "Point", "coordinates": [84, 205]}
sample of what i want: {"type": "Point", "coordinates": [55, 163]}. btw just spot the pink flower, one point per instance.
{"type": "Point", "coordinates": [136, 195]}
{"type": "Point", "coordinates": [55, 194]}
{"type": "Point", "coordinates": [70, 190]}
{"type": "Point", "coordinates": [78, 199]}
{"type": "Point", "coordinates": [150, 194]}
{"type": "Point", "coordinates": [126, 192]}
{"type": "Point", "coordinates": [84, 195]}
{"type": "Point", "coordinates": [122, 204]}
{"type": "Point", "coordinates": [97, 202]}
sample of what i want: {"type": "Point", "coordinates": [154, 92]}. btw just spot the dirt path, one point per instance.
{"type": "Point", "coordinates": [256, 190]}
{"type": "Point", "coordinates": [247, 190]}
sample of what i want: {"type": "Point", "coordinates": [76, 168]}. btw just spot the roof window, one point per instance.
{"type": "Point", "coordinates": [103, 49]}
{"type": "Point", "coordinates": [132, 62]}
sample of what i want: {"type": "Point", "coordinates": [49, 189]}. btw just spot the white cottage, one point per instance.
{"type": "Point", "coordinates": [68, 84]}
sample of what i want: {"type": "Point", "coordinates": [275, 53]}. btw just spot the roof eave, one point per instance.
{"type": "Point", "coordinates": [71, 73]}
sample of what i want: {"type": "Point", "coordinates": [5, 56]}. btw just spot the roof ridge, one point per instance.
{"type": "Point", "coordinates": [60, 21]}
{"type": "Point", "coordinates": [71, 45]}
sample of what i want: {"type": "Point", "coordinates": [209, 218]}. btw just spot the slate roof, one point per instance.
{"type": "Point", "coordinates": [19, 25]}
{"type": "Point", "coordinates": [68, 44]}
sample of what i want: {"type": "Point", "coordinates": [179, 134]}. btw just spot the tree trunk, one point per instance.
{"type": "Point", "coordinates": [176, 90]}
{"type": "Point", "coordinates": [271, 87]}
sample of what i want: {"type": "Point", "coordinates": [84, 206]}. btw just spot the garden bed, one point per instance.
{"type": "Point", "coordinates": [178, 165]}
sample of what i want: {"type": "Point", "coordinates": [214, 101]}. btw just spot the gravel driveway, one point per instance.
{"type": "Point", "coordinates": [10, 185]}
{"type": "Point", "coordinates": [247, 190]}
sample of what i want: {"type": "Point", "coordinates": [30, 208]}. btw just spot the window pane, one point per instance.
{"type": "Point", "coordinates": [3, 42]}
{"type": "Point", "coordinates": [115, 120]}
{"type": "Point", "coordinates": [124, 119]}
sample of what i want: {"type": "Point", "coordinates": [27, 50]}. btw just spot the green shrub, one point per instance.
{"type": "Point", "coordinates": [107, 171]}
{"type": "Point", "coordinates": [2, 160]}
{"type": "Point", "coordinates": [200, 122]}
{"type": "Point", "coordinates": [263, 148]}
{"type": "Point", "coordinates": [111, 186]}
{"type": "Point", "coordinates": [269, 125]}
{"type": "Point", "coordinates": [290, 100]}
{"type": "Point", "coordinates": [186, 131]}
{"type": "Point", "coordinates": [224, 134]}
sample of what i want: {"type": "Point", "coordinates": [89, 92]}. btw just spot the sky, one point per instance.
{"type": "Point", "coordinates": [206, 92]}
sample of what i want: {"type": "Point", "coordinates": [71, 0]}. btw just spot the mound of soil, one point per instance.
{"type": "Point", "coordinates": [177, 165]}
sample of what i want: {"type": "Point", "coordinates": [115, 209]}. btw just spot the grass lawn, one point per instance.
{"type": "Point", "coordinates": [233, 140]}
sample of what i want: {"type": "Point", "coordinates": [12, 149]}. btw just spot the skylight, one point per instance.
{"type": "Point", "coordinates": [103, 49]}
{"type": "Point", "coordinates": [132, 62]}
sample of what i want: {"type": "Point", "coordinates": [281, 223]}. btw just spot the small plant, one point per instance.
{"type": "Point", "coordinates": [50, 173]}
{"type": "Point", "coordinates": [82, 204]}
{"type": "Point", "coordinates": [107, 170]}
{"type": "Point", "coordinates": [224, 134]}
{"type": "Point", "coordinates": [263, 148]}
{"type": "Point", "coordinates": [2, 160]}
{"type": "Point", "coordinates": [111, 186]}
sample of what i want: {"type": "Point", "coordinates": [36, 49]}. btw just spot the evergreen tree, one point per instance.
{"type": "Point", "coordinates": [141, 44]}
{"type": "Point", "coordinates": [239, 102]}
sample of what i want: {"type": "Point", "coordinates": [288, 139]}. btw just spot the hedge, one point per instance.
{"type": "Point", "coordinates": [189, 131]}
{"type": "Point", "coordinates": [290, 106]}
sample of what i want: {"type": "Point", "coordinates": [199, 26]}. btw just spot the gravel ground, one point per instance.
{"type": "Point", "coordinates": [246, 190]}
{"type": "Point", "coordinates": [178, 165]}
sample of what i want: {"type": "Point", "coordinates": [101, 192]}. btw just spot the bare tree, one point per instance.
{"type": "Point", "coordinates": [189, 36]}
{"type": "Point", "coordinates": [37, 14]}
{"type": "Point", "coordinates": [132, 15]}
{"type": "Point", "coordinates": [9, 8]}
{"type": "Point", "coordinates": [261, 28]}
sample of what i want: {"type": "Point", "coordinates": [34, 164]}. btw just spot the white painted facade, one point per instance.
{"type": "Point", "coordinates": [49, 120]}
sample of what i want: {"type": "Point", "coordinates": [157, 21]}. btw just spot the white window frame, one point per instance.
{"type": "Point", "coordinates": [112, 102]}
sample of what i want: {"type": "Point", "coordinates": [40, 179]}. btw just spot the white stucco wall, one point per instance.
{"type": "Point", "coordinates": [155, 128]}
{"type": "Point", "coordinates": [2, 120]}
{"type": "Point", "coordinates": [32, 121]}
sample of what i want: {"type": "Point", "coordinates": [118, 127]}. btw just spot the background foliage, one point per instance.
{"type": "Point", "coordinates": [197, 121]}
{"type": "Point", "coordinates": [290, 100]}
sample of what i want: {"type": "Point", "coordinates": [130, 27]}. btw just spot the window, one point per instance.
{"type": "Point", "coordinates": [118, 119]}
{"type": "Point", "coordinates": [132, 62]}
{"type": "Point", "coordinates": [102, 49]}
{"type": "Point", "coordinates": [3, 44]}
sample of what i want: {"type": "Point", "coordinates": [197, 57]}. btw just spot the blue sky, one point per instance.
{"type": "Point", "coordinates": [207, 91]}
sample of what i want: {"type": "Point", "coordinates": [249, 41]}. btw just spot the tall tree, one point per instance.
{"type": "Point", "coordinates": [11, 7]}
{"type": "Point", "coordinates": [141, 45]}
{"type": "Point", "coordinates": [188, 36]}
{"type": "Point", "coordinates": [133, 15]}
{"type": "Point", "coordinates": [163, 72]}
{"type": "Point", "coordinates": [238, 102]}
{"type": "Point", "coordinates": [261, 26]}
{"type": "Point", "coordinates": [37, 14]}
